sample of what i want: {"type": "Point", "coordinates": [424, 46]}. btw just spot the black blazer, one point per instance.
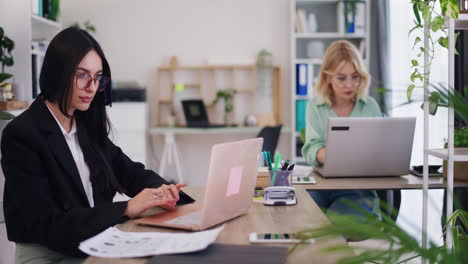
{"type": "Point", "coordinates": [44, 199]}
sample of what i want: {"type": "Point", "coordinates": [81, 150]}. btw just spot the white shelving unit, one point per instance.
{"type": "Point", "coordinates": [450, 154]}
{"type": "Point", "coordinates": [42, 29]}
{"type": "Point", "coordinates": [329, 17]}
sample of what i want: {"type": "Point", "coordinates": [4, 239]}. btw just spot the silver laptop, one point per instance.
{"type": "Point", "coordinates": [368, 146]}
{"type": "Point", "coordinates": [231, 182]}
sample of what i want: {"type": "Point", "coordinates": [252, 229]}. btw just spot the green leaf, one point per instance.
{"type": "Point", "coordinates": [6, 116]}
{"type": "Point", "coordinates": [443, 41]}
{"type": "Point", "coordinates": [5, 76]}
{"type": "Point", "coordinates": [416, 14]}
{"type": "Point", "coordinates": [1, 32]}
{"type": "Point", "coordinates": [8, 61]}
{"type": "Point", "coordinates": [422, 49]}
{"type": "Point", "coordinates": [409, 91]}
{"type": "Point", "coordinates": [426, 13]}
{"type": "Point", "coordinates": [414, 63]}
{"type": "Point", "coordinates": [437, 23]}
{"type": "Point", "coordinates": [449, 8]}
{"type": "Point", "coordinates": [416, 41]}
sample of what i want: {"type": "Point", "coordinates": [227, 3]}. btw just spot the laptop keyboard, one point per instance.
{"type": "Point", "coordinates": [188, 219]}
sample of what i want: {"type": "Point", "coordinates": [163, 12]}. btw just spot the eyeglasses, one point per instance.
{"type": "Point", "coordinates": [83, 81]}
{"type": "Point", "coordinates": [341, 80]}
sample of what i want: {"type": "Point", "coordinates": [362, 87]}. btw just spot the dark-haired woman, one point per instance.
{"type": "Point", "coordinates": [61, 170]}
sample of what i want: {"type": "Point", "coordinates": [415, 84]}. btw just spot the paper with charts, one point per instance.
{"type": "Point", "coordinates": [113, 243]}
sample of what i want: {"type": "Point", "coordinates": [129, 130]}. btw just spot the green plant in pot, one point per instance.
{"type": "Point", "coordinates": [6, 60]}
{"type": "Point", "coordinates": [460, 140]}
{"type": "Point", "coordinates": [397, 245]}
{"type": "Point", "coordinates": [228, 96]}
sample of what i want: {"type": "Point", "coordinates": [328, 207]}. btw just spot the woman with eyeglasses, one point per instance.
{"type": "Point", "coordinates": [341, 91]}
{"type": "Point", "coordinates": [61, 170]}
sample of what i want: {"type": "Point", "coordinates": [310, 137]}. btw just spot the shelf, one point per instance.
{"type": "Point", "coordinates": [13, 105]}
{"type": "Point", "coordinates": [309, 61]}
{"type": "Point", "coordinates": [329, 35]}
{"type": "Point", "coordinates": [41, 21]}
{"type": "Point", "coordinates": [460, 154]}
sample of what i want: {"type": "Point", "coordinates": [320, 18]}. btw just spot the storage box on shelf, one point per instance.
{"type": "Point", "coordinates": [202, 82]}
{"type": "Point", "coordinates": [316, 24]}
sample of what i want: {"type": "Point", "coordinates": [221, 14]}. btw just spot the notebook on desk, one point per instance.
{"type": "Point", "coordinates": [368, 147]}
{"type": "Point", "coordinates": [196, 115]}
{"type": "Point", "coordinates": [231, 180]}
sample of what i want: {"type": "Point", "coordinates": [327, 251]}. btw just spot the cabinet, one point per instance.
{"type": "Point", "coordinates": [128, 121]}
{"type": "Point", "coordinates": [174, 84]}
{"type": "Point", "coordinates": [314, 25]}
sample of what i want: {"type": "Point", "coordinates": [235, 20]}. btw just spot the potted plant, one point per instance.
{"type": "Point", "coordinates": [400, 247]}
{"type": "Point", "coordinates": [460, 168]}
{"type": "Point", "coordinates": [228, 96]}
{"type": "Point", "coordinates": [6, 60]}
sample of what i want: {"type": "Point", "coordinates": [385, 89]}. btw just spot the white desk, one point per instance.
{"type": "Point", "coordinates": [170, 154]}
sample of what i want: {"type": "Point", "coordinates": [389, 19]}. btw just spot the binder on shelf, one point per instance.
{"type": "Point", "coordinates": [301, 21]}
{"type": "Point", "coordinates": [300, 114]}
{"type": "Point", "coordinates": [360, 19]}
{"type": "Point", "coordinates": [46, 8]}
{"type": "Point", "coordinates": [40, 8]}
{"type": "Point", "coordinates": [340, 17]}
{"type": "Point", "coordinates": [351, 17]}
{"type": "Point", "coordinates": [302, 74]}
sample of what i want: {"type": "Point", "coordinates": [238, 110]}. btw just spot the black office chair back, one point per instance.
{"type": "Point", "coordinates": [270, 135]}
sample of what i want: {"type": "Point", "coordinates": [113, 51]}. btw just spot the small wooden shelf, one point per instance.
{"type": "Point", "coordinates": [460, 154]}
{"type": "Point", "coordinates": [13, 105]}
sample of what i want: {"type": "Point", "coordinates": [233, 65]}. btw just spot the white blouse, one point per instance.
{"type": "Point", "coordinates": [75, 149]}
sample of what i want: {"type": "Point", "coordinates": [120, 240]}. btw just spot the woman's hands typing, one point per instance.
{"type": "Point", "coordinates": [166, 196]}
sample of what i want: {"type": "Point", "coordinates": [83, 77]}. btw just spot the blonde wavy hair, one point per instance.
{"type": "Point", "coordinates": [336, 56]}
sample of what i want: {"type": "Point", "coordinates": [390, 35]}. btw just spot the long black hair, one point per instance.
{"type": "Point", "coordinates": [65, 52]}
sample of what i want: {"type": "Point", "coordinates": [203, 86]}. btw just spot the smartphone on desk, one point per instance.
{"type": "Point", "coordinates": [433, 171]}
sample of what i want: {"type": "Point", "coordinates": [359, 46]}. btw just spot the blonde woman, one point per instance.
{"type": "Point", "coordinates": [341, 91]}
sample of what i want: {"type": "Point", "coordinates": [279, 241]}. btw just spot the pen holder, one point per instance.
{"type": "Point", "coordinates": [280, 178]}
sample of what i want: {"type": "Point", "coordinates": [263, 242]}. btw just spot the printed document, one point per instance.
{"type": "Point", "coordinates": [113, 243]}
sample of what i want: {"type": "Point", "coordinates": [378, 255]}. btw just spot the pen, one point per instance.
{"type": "Point", "coordinates": [291, 167]}
{"type": "Point", "coordinates": [265, 158]}
{"type": "Point", "coordinates": [269, 160]}
{"type": "Point", "coordinates": [285, 165]}
{"type": "Point", "coordinates": [277, 160]}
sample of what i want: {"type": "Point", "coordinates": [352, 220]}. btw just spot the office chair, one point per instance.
{"type": "Point", "coordinates": [390, 199]}
{"type": "Point", "coordinates": [270, 135]}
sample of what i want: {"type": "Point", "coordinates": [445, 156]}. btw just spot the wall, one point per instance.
{"type": "Point", "coordinates": [143, 35]}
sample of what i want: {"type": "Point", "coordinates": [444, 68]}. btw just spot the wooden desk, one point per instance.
{"type": "Point", "coordinates": [262, 219]}
{"type": "Point", "coordinates": [378, 183]}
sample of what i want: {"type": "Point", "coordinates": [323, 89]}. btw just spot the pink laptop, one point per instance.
{"type": "Point", "coordinates": [231, 182]}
